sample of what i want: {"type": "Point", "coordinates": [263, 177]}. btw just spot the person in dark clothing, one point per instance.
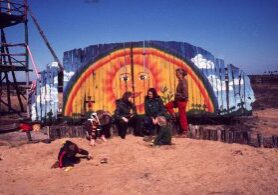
{"type": "Point", "coordinates": [164, 135]}
{"type": "Point", "coordinates": [67, 155]}
{"type": "Point", "coordinates": [153, 104]}
{"type": "Point", "coordinates": [153, 107]}
{"type": "Point", "coordinates": [87, 125]}
{"type": "Point", "coordinates": [180, 101]}
{"type": "Point", "coordinates": [105, 119]}
{"type": "Point", "coordinates": [124, 113]}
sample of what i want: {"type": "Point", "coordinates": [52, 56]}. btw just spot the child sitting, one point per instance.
{"type": "Point", "coordinates": [93, 129]}
{"type": "Point", "coordinates": [164, 136]}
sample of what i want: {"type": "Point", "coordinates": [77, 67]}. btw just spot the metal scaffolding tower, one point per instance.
{"type": "Point", "coordinates": [14, 57]}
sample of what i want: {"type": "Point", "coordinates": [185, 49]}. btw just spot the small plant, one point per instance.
{"type": "Point", "coordinates": [167, 95]}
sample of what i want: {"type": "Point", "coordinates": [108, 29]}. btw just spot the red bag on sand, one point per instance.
{"type": "Point", "coordinates": [25, 127]}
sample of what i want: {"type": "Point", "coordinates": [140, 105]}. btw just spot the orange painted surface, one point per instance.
{"type": "Point", "coordinates": [108, 78]}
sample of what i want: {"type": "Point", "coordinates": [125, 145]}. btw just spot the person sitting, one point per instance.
{"type": "Point", "coordinates": [124, 113]}
{"type": "Point", "coordinates": [164, 135]}
{"type": "Point", "coordinates": [105, 119]}
{"type": "Point", "coordinates": [93, 129]}
{"type": "Point", "coordinates": [153, 107]}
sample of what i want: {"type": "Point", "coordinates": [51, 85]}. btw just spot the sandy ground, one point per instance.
{"type": "Point", "coordinates": [186, 167]}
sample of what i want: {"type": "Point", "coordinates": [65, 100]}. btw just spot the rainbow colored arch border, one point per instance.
{"type": "Point", "coordinates": [82, 75]}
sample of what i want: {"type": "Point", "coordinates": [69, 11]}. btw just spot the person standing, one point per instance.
{"type": "Point", "coordinates": [124, 113]}
{"type": "Point", "coordinates": [180, 101]}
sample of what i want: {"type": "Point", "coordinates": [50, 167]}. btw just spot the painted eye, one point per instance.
{"type": "Point", "coordinates": [143, 76]}
{"type": "Point", "coordinates": [124, 77]}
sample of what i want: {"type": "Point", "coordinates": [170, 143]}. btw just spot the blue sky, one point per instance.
{"type": "Point", "coordinates": [242, 32]}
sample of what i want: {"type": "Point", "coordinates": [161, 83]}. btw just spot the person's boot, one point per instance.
{"type": "Point", "coordinates": [184, 134]}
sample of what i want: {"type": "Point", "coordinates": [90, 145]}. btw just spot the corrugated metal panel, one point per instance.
{"type": "Point", "coordinates": [44, 104]}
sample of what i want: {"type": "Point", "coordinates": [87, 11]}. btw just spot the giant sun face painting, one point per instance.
{"type": "Point", "coordinates": [106, 79]}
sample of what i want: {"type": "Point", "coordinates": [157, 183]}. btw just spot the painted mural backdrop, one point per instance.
{"type": "Point", "coordinates": [97, 75]}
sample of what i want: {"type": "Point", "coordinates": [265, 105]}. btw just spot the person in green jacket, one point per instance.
{"type": "Point", "coordinates": [164, 136]}
{"type": "Point", "coordinates": [125, 113]}
{"type": "Point", "coordinates": [153, 107]}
